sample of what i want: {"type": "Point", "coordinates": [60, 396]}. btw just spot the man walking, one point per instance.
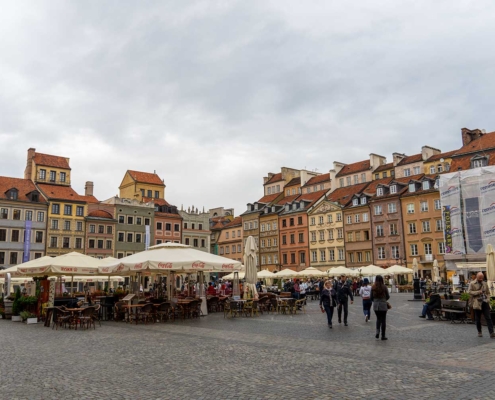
{"type": "Point", "coordinates": [343, 293]}
{"type": "Point", "coordinates": [480, 295]}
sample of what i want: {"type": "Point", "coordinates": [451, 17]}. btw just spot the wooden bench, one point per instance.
{"type": "Point", "coordinates": [454, 310]}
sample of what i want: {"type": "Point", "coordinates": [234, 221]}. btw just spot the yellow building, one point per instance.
{"type": "Point", "coordinates": [140, 185]}
{"type": "Point", "coordinates": [438, 163]}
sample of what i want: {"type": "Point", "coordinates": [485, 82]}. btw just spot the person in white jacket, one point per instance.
{"type": "Point", "coordinates": [365, 293]}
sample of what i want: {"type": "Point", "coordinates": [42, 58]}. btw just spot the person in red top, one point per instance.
{"type": "Point", "coordinates": [211, 290]}
{"type": "Point", "coordinates": [297, 290]}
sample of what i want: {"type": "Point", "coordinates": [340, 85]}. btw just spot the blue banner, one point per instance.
{"type": "Point", "coordinates": [27, 242]}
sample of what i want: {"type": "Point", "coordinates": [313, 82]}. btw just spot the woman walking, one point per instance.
{"type": "Point", "coordinates": [365, 293]}
{"type": "Point", "coordinates": [379, 297]}
{"type": "Point", "coordinates": [328, 300]}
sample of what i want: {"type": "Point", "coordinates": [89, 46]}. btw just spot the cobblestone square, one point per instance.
{"type": "Point", "coordinates": [267, 357]}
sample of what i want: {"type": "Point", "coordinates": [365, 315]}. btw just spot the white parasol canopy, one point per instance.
{"type": "Point", "coordinates": [286, 273]}
{"type": "Point", "coordinates": [490, 263]}
{"type": "Point", "coordinates": [312, 271]}
{"type": "Point", "coordinates": [415, 267]}
{"type": "Point", "coordinates": [170, 257]}
{"type": "Point", "coordinates": [230, 276]}
{"type": "Point", "coordinates": [371, 270]}
{"type": "Point", "coordinates": [90, 278]}
{"type": "Point", "coordinates": [14, 272]}
{"type": "Point", "coordinates": [67, 264]}
{"type": "Point", "coordinates": [436, 272]}
{"type": "Point", "coordinates": [338, 271]}
{"type": "Point", "coordinates": [266, 274]}
{"type": "Point", "coordinates": [397, 270]}
{"type": "Point", "coordinates": [250, 250]}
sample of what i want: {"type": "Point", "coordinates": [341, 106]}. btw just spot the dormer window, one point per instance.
{"type": "Point", "coordinates": [440, 168]}
{"type": "Point", "coordinates": [447, 167]}
{"type": "Point", "coordinates": [13, 194]}
{"type": "Point", "coordinates": [363, 200]}
{"type": "Point", "coordinates": [249, 207]}
{"type": "Point", "coordinates": [256, 206]}
{"type": "Point", "coordinates": [273, 208]}
{"type": "Point", "coordinates": [393, 189]}
{"type": "Point", "coordinates": [479, 161]}
{"type": "Point", "coordinates": [426, 185]}
{"type": "Point", "coordinates": [294, 206]}
{"type": "Point", "coordinates": [379, 191]}
{"type": "Point", "coordinates": [287, 207]}
{"type": "Point", "coordinates": [412, 187]}
{"type": "Point", "coordinates": [355, 202]}
{"type": "Point", "coordinates": [432, 169]}
{"type": "Point", "coordinates": [301, 205]}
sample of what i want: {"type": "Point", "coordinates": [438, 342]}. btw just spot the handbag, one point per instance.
{"type": "Point", "coordinates": [389, 306]}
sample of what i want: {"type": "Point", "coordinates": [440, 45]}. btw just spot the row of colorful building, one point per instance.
{"type": "Point", "coordinates": [366, 212]}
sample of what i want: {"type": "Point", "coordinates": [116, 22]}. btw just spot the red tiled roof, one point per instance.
{"type": "Point", "coordinates": [344, 195]}
{"type": "Point", "coordinates": [56, 192]}
{"type": "Point", "coordinates": [158, 202]}
{"type": "Point", "coordinates": [167, 215]}
{"type": "Point", "coordinates": [404, 181]}
{"type": "Point", "coordinates": [318, 179]}
{"type": "Point", "coordinates": [145, 177]}
{"type": "Point", "coordinates": [354, 167]}
{"type": "Point", "coordinates": [269, 198]}
{"type": "Point", "coordinates": [464, 162]}
{"type": "Point", "coordinates": [294, 182]}
{"type": "Point", "coordinates": [237, 221]}
{"type": "Point", "coordinates": [24, 186]}
{"type": "Point", "coordinates": [485, 142]}
{"type": "Point", "coordinates": [100, 214]}
{"type": "Point", "coordinates": [437, 157]}
{"type": "Point", "coordinates": [48, 160]}
{"type": "Point", "coordinates": [314, 196]}
{"type": "Point", "coordinates": [411, 159]}
{"type": "Point", "coordinates": [371, 188]}
{"type": "Point", "coordinates": [90, 199]}
{"type": "Point", "coordinates": [384, 167]}
{"type": "Point", "coordinates": [288, 199]}
{"type": "Point", "coordinates": [274, 178]}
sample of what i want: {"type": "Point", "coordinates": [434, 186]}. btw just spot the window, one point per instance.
{"type": "Point", "coordinates": [368, 256]}
{"type": "Point", "coordinates": [331, 255]}
{"type": "Point", "coordinates": [291, 222]}
{"type": "Point", "coordinates": [65, 242]}
{"type": "Point", "coordinates": [284, 239]}
{"type": "Point", "coordinates": [410, 208]}
{"type": "Point", "coordinates": [313, 236]}
{"type": "Point", "coordinates": [322, 235]}
{"type": "Point", "coordinates": [313, 256]}
{"type": "Point", "coordinates": [356, 179]}
{"type": "Point", "coordinates": [67, 209]}
{"type": "Point", "coordinates": [377, 176]}
{"type": "Point", "coordinates": [366, 235]}
{"type": "Point", "coordinates": [392, 208]}
{"type": "Point", "coordinates": [91, 228]}
{"type": "Point", "coordinates": [274, 226]}
{"type": "Point", "coordinates": [67, 225]}
{"type": "Point", "coordinates": [478, 162]}
{"type": "Point", "coordinates": [417, 170]}
{"type": "Point", "coordinates": [441, 248]}
{"type": "Point", "coordinates": [379, 230]}
{"type": "Point", "coordinates": [292, 238]}
{"type": "Point", "coordinates": [427, 247]}
{"type": "Point", "coordinates": [312, 221]}
{"type": "Point", "coordinates": [157, 194]}
{"type": "Point", "coordinates": [395, 252]}
{"type": "Point", "coordinates": [341, 254]}
{"type": "Point", "coordinates": [79, 226]}
{"type": "Point", "coordinates": [109, 245]}
{"type": "Point", "coordinates": [330, 234]}
{"type": "Point", "coordinates": [168, 227]}
{"type": "Point", "coordinates": [381, 253]}
{"type": "Point", "coordinates": [53, 241]}
{"type": "Point", "coordinates": [301, 238]}
{"type": "Point", "coordinates": [348, 181]}
{"type": "Point", "coordinates": [91, 244]}
{"type": "Point", "coordinates": [350, 236]}
{"type": "Point", "coordinates": [13, 257]}
{"type": "Point", "coordinates": [363, 200]}
{"type": "Point", "coordinates": [378, 210]}
{"type": "Point", "coordinates": [340, 233]}
{"type": "Point", "coordinates": [321, 220]}
{"type": "Point", "coordinates": [109, 230]}
{"type": "Point", "coordinates": [62, 177]}
{"type": "Point", "coordinates": [130, 220]}
{"type": "Point", "coordinates": [146, 221]}
{"type": "Point", "coordinates": [3, 235]}
{"type": "Point", "coordinates": [349, 219]}
{"type": "Point", "coordinates": [358, 236]}
{"type": "Point", "coordinates": [121, 237]}
{"type": "Point", "coordinates": [393, 229]}
{"type": "Point", "coordinates": [323, 255]}
{"type": "Point", "coordinates": [121, 219]}
{"type": "Point", "coordinates": [365, 217]}
{"type": "Point", "coordinates": [40, 216]}
{"type": "Point", "coordinates": [42, 174]}
{"type": "Point", "coordinates": [275, 241]}
{"type": "Point", "coordinates": [412, 187]}
{"type": "Point", "coordinates": [138, 238]}
{"type": "Point", "coordinates": [263, 242]}
{"type": "Point", "coordinates": [159, 226]}
{"type": "Point", "coordinates": [55, 208]}
{"type": "Point", "coordinates": [407, 172]}
{"type": "Point", "coordinates": [379, 191]}
{"type": "Point", "coordinates": [16, 214]}
{"type": "Point", "coordinates": [121, 255]}
{"type": "Point", "coordinates": [15, 235]}
{"type": "Point", "coordinates": [438, 204]}
{"type": "Point", "coordinates": [203, 244]}
{"type": "Point", "coordinates": [238, 248]}
{"type": "Point", "coordinates": [359, 256]}
{"type": "Point", "coordinates": [363, 178]}
{"type": "Point", "coordinates": [2, 257]}
{"type": "Point", "coordinates": [426, 226]}
{"type": "Point", "coordinates": [129, 237]}
{"type": "Point", "coordinates": [339, 217]}
{"type": "Point", "coordinates": [393, 189]}
{"type": "Point", "coordinates": [78, 244]}
{"type": "Point", "coordinates": [426, 185]}
{"type": "Point", "coordinates": [227, 235]}
{"type": "Point", "coordinates": [187, 243]}
{"type": "Point", "coordinates": [29, 216]}
{"type": "Point", "coordinates": [330, 219]}
{"type": "Point", "coordinates": [414, 249]}
{"type": "Point", "coordinates": [38, 237]}
{"type": "Point", "coordinates": [439, 225]}
{"type": "Point", "coordinates": [384, 175]}
{"type": "Point", "coordinates": [356, 218]}
{"type": "Point", "coordinates": [177, 228]}
{"type": "Point", "coordinates": [79, 211]}
{"type": "Point", "coordinates": [299, 220]}
{"type": "Point", "coordinates": [424, 206]}
{"type": "Point", "coordinates": [292, 258]}
{"type": "Point", "coordinates": [341, 182]}
{"type": "Point", "coordinates": [53, 176]}
{"type": "Point", "coordinates": [432, 169]}
{"type": "Point", "coordinates": [355, 202]}
{"type": "Point", "coordinates": [351, 257]}
{"type": "Point", "coordinates": [54, 223]}
{"type": "Point", "coordinates": [412, 227]}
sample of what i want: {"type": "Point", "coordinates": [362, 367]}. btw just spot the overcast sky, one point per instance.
{"type": "Point", "coordinates": [214, 95]}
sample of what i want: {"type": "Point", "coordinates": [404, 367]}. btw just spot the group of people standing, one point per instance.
{"type": "Point", "coordinates": [337, 294]}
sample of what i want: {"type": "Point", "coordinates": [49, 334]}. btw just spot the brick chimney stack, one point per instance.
{"type": "Point", "coordinates": [88, 189]}
{"type": "Point", "coordinates": [469, 135]}
{"type": "Point", "coordinates": [28, 172]}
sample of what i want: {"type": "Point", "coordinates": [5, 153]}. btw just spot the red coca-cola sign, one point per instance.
{"type": "Point", "coordinates": [120, 267]}
{"type": "Point", "coordinates": [67, 269]}
{"type": "Point", "coordinates": [165, 265]}
{"type": "Point", "coordinates": [138, 266]}
{"type": "Point", "coordinates": [227, 266]}
{"type": "Point", "coordinates": [106, 269]}
{"type": "Point", "coordinates": [198, 264]}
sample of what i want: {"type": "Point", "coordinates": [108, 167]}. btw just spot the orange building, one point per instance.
{"type": "Point", "coordinates": [230, 243]}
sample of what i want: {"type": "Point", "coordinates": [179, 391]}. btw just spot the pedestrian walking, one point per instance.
{"type": "Point", "coordinates": [480, 296]}
{"type": "Point", "coordinates": [344, 291]}
{"type": "Point", "coordinates": [365, 293]}
{"type": "Point", "coordinates": [379, 297]}
{"type": "Point", "coordinates": [328, 300]}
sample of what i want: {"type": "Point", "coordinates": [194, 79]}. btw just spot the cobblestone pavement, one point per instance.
{"type": "Point", "coordinates": [266, 357]}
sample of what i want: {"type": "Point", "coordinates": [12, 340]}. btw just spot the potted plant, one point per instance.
{"type": "Point", "coordinates": [16, 307]}
{"type": "Point", "coordinates": [28, 317]}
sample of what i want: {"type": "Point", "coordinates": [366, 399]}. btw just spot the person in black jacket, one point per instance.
{"type": "Point", "coordinates": [343, 293]}
{"type": "Point", "coordinates": [435, 302]}
{"type": "Point", "coordinates": [328, 300]}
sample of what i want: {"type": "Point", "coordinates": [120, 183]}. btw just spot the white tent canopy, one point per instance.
{"type": "Point", "coordinates": [338, 271]}
{"type": "Point", "coordinates": [266, 274]}
{"type": "Point", "coordinates": [170, 257]}
{"type": "Point", "coordinates": [371, 270]}
{"type": "Point", "coordinates": [312, 271]}
{"type": "Point", "coordinates": [230, 276]}
{"type": "Point", "coordinates": [14, 272]}
{"type": "Point", "coordinates": [89, 278]}
{"type": "Point", "coordinates": [67, 264]}
{"type": "Point", "coordinates": [286, 273]}
{"type": "Point", "coordinates": [398, 270]}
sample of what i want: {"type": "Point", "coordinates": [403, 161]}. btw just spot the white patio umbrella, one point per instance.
{"type": "Point", "coordinates": [371, 270]}
{"type": "Point", "coordinates": [265, 274]}
{"type": "Point", "coordinates": [286, 273]}
{"type": "Point", "coordinates": [230, 276]}
{"type": "Point", "coordinates": [250, 250]}
{"type": "Point", "coordinates": [415, 267]}
{"type": "Point", "coordinates": [339, 271]}
{"type": "Point", "coordinates": [436, 272]}
{"type": "Point", "coordinates": [312, 271]}
{"type": "Point", "coordinates": [398, 270]}
{"type": "Point", "coordinates": [14, 272]}
{"type": "Point", "coordinates": [490, 265]}
{"type": "Point", "coordinates": [67, 264]}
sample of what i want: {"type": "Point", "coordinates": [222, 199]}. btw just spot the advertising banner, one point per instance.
{"type": "Point", "coordinates": [147, 237]}
{"type": "Point", "coordinates": [470, 191]}
{"type": "Point", "coordinates": [27, 242]}
{"type": "Point", "coordinates": [487, 198]}
{"type": "Point", "coordinates": [450, 194]}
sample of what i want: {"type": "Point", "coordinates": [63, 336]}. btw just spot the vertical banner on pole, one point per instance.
{"type": "Point", "coordinates": [147, 237]}
{"type": "Point", "coordinates": [27, 241]}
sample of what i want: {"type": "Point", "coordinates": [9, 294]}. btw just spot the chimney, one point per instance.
{"type": "Point", "coordinates": [28, 172]}
{"type": "Point", "coordinates": [267, 178]}
{"type": "Point", "coordinates": [469, 135]}
{"type": "Point", "coordinates": [376, 160]}
{"type": "Point", "coordinates": [88, 189]}
{"type": "Point", "coordinates": [397, 158]}
{"type": "Point", "coordinates": [427, 152]}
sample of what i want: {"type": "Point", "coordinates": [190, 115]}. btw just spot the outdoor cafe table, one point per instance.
{"type": "Point", "coordinates": [73, 312]}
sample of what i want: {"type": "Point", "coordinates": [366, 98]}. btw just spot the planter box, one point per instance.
{"type": "Point", "coordinates": [8, 307]}
{"type": "Point", "coordinates": [32, 321]}
{"type": "Point", "coordinates": [16, 318]}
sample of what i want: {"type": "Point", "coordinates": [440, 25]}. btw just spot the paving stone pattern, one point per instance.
{"type": "Point", "coordinates": [267, 357]}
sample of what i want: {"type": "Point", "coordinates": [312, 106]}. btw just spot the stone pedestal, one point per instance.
{"type": "Point", "coordinates": [417, 292]}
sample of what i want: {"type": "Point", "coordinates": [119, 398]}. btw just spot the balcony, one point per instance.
{"type": "Point", "coordinates": [426, 259]}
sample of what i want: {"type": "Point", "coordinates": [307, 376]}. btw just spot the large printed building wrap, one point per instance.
{"type": "Point", "coordinates": [469, 197]}
{"type": "Point", "coordinates": [450, 194]}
